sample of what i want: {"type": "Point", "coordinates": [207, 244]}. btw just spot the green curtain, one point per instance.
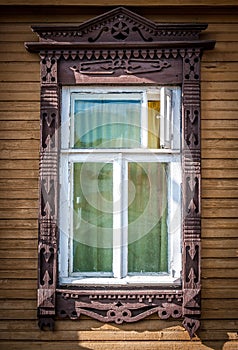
{"type": "Point", "coordinates": [147, 214]}
{"type": "Point", "coordinates": [93, 221]}
{"type": "Point", "coordinates": [112, 123]}
{"type": "Point", "coordinates": [107, 123]}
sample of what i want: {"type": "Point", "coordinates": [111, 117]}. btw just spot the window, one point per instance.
{"type": "Point", "coordinates": [118, 194]}
{"type": "Point", "coordinates": [120, 200]}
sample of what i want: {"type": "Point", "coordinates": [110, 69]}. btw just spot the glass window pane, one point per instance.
{"type": "Point", "coordinates": [107, 122]}
{"type": "Point", "coordinates": [147, 218]}
{"type": "Point", "coordinates": [153, 124]}
{"type": "Point", "coordinates": [93, 221]}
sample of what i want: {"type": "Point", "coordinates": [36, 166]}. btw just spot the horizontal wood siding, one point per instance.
{"type": "Point", "coordinates": [19, 154]}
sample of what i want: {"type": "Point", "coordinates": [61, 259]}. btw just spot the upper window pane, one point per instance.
{"type": "Point", "coordinates": [134, 118]}
{"type": "Point", "coordinates": [107, 121]}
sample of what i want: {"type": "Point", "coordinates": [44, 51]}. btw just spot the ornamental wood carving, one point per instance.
{"type": "Point", "coordinates": [119, 47]}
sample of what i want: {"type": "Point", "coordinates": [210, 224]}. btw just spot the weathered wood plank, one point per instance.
{"type": "Point", "coordinates": [19, 194]}
{"type": "Point", "coordinates": [100, 335]}
{"type": "Point", "coordinates": [220, 134]}
{"type": "Point", "coordinates": [18, 56]}
{"type": "Point", "coordinates": [221, 233]}
{"type": "Point", "coordinates": [29, 284]}
{"type": "Point", "coordinates": [18, 315]}
{"type": "Point", "coordinates": [217, 86]}
{"type": "Point", "coordinates": [221, 193]}
{"type": "Point", "coordinates": [19, 174]}
{"type": "Point", "coordinates": [20, 116]}
{"type": "Point", "coordinates": [13, 263]}
{"type": "Point", "coordinates": [218, 153]}
{"type": "Point", "coordinates": [16, 135]}
{"type": "Point", "coordinates": [220, 173]}
{"type": "Point", "coordinates": [19, 125]}
{"type": "Point", "coordinates": [19, 224]}
{"type": "Point", "coordinates": [87, 324]}
{"type": "Point", "coordinates": [219, 273]}
{"type": "Point", "coordinates": [32, 87]}
{"type": "Point", "coordinates": [216, 164]}
{"type": "Point", "coordinates": [18, 305]}
{"type": "Point", "coordinates": [18, 203]}
{"type": "Point", "coordinates": [220, 203]}
{"type": "Point", "coordinates": [220, 124]}
{"type": "Point", "coordinates": [219, 96]}
{"type": "Point", "coordinates": [18, 243]}
{"type": "Point", "coordinates": [22, 145]}
{"type": "Point", "coordinates": [208, 114]}
{"type": "Point", "coordinates": [222, 262]}
{"type": "Point", "coordinates": [20, 154]}
{"type": "Point", "coordinates": [19, 254]}
{"type": "Point", "coordinates": [214, 243]}
{"type": "Point", "coordinates": [219, 294]}
{"type": "Point", "coordinates": [19, 164]}
{"type": "Point", "coordinates": [20, 106]}
{"type": "Point", "coordinates": [221, 144]}
{"type": "Point", "coordinates": [13, 214]}
{"type": "Point", "coordinates": [219, 253]}
{"type": "Point", "coordinates": [19, 76]}
{"type": "Point", "coordinates": [219, 184]}
{"type": "Point", "coordinates": [220, 105]}
{"type": "Point", "coordinates": [83, 345]}
{"type": "Point", "coordinates": [25, 234]}
{"type": "Point", "coordinates": [219, 223]}
{"type": "Point", "coordinates": [17, 294]}
{"type": "Point", "coordinates": [220, 314]}
{"type": "Point", "coordinates": [19, 184]}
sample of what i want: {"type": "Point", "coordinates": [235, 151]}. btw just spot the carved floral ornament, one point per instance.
{"type": "Point", "coordinates": [119, 47]}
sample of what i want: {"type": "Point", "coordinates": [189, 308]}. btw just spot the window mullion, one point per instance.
{"type": "Point", "coordinates": [144, 121]}
{"type": "Point", "coordinates": [118, 270]}
{"type": "Point", "coordinates": [124, 250]}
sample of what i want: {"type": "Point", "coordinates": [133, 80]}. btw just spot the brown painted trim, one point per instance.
{"type": "Point", "coordinates": [62, 46]}
{"type": "Point", "coordinates": [134, 3]}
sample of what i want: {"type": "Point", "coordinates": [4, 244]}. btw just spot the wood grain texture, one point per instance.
{"type": "Point", "coordinates": [121, 3]}
{"type": "Point", "coordinates": [19, 151]}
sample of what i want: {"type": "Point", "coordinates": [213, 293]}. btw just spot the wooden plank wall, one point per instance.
{"type": "Point", "coordinates": [19, 147]}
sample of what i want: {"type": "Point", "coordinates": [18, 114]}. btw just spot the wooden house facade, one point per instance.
{"type": "Point", "coordinates": [20, 142]}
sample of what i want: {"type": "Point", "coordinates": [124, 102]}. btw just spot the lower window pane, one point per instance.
{"type": "Point", "coordinates": [93, 221]}
{"type": "Point", "coordinates": [147, 218]}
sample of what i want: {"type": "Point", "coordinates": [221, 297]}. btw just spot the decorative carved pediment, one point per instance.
{"type": "Point", "coordinates": [119, 25]}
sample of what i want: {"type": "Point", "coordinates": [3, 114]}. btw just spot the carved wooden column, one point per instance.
{"type": "Point", "coordinates": [191, 189]}
{"type": "Point", "coordinates": [47, 270]}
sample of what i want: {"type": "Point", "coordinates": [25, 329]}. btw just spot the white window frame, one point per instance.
{"type": "Point", "coordinates": [171, 154]}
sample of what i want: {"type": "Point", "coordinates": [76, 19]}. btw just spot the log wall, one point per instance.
{"type": "Point", "coordinates": [19, 156]}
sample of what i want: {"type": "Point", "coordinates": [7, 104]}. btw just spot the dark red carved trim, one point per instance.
{"type": "Point", "coordinates": [191, 190]}
{"type": "Point", "coordinates": [122, 45]}
{"type": "Point", "coordinates": [120, 306]}
{"type": "Point", "coordinates": [48, 209]}
{"type": "Point", "coordinates": [119, 25]}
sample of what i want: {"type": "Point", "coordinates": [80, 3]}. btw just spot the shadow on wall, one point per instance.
{"type": "Point", "coordinates": [231, 344]}
{"type": "Point", "coordinates": [151, 336]}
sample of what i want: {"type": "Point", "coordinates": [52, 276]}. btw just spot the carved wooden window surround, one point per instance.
{"type": "Point", "coordinates": [136, 50]}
